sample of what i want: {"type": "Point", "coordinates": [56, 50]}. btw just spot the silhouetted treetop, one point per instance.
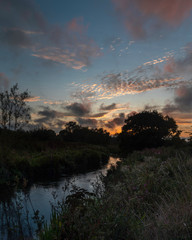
{"type": "Point", "coordinates": [147, 129]}
{"type": "Point", "coordinates": [76, 133]}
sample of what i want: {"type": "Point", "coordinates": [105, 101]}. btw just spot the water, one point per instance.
{"type": "Point", "coordinates": [40, 196]}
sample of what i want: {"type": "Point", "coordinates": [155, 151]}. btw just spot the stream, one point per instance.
{"type": "Point", "coordinates": [18, 209]}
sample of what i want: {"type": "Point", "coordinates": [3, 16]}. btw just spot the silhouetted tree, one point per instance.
{"type": "Point", "coordinates": [14, 112]}
{"type": "Point", "coordinates": [42, 134]}
{"type": "Point", "coordinates": [147, 129]}
{"type": "Point", "coordinates": [76, 133]}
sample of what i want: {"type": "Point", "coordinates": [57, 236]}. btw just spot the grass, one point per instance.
{"type": "Point", "coordinates": [148, 196]}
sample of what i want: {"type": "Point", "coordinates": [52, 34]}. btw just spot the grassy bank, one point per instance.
{"type": "Point", "coordinates": [148, 196]}
{"type": "Point", "coordinates": [20, 166]}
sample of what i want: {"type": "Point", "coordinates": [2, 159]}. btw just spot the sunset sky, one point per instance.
{"type": "Point", "coordinates": [96, 61]}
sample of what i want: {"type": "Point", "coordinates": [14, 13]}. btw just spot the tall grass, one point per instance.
{"type": "Point", "coordinates": [148, 196]}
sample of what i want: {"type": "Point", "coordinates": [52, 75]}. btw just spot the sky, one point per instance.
{"type": "Point", "coordinates": [97, 61]}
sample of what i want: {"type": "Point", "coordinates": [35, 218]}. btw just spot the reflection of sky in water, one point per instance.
{"type": "Point", "coordinates": [41, 194]}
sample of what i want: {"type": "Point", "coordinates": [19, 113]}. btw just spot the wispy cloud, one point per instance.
{"type": "Point", "coordinates": [70, 46]}
{"type": "Point", "coordinates": [142, 79]}
{"type": "Point", "coordinates": [24, 27]}
{"type": "Point", "coordinates": [77, 56]}
{"type": "Point", "coordinates": [157, 61]}
{"type": "Point", "coordinates": [34, 99]}
{"type": "Point", "coordinates": [21, 13]}
{"type": "Point", "coordinates": [141, 17]}
{"type": "Point", "coordinates": [19, 19]}
{"type": "Point", "coordinates": [181, 65]}
{"type": "Point", "coordinates": [108, 107]}
{"type": "Point", "coordinates": [15, 38]}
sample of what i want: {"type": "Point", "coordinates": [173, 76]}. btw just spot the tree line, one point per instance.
{"type": "Point", "coordinates": [147, 129]}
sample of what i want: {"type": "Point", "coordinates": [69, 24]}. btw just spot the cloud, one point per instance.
{"type": "Point", "coordinates": [182, 101]}
{"type": "Point", "coordinates": [17, 16]}
{"type": "Point", "coordinates": [48, 114]}
{"type": "Point", "coordinates": [49, 118]}
{"type": "Point", "coordinates": [71, 47]}
{"type": "Point", "coordinates": [33, 99]}
{"type": "Point", "coordinates": [98, 115]}
{"type": "Point", "coordinates": [77, 56]}
{"type": "Point", "coordinates": [15, 37]}
{"type": "Point", "coordinates": [182, 65]}
{"type": "Point", "coordinates": [79, 109]}
{"type": "Point", "coordinates": [76, 26]}
{"type": "Point", "coordinates": [108, 107]}
{"type": "Point", "coordinates": [87, 122]}
{"type": "Point", "coordinates": [156, 61]}
{"type": "Point", "coordinates": [4, 81]}
{"type": "Point", "coordinates": [169, 108]}
{"type": "Point", "coordinates": [51, 102]}
{"type": "Point", "coordinates": [150, 108]}
{"type": "Point", "coordinates": [118, 121]}
{"type": "Point", "coordinates": [84, 93]}
{"type": "Point", "coordinates": [142, 79]}
{"type": "Point", "coordinates": [59, 124]}
{"type": "Point", "coordinates": [138, 15]}
{"type": "Point", "coordinates": [21, 13]}
{"type": "Point", "coordinates": [23, 26]}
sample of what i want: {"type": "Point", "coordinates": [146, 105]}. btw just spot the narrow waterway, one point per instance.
{"type": "Point", "coordinates": [17, 211]}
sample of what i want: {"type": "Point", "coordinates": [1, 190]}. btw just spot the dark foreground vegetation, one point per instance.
{"type": "Point", "coordinates": [147, 197]}
{"type": "Point", "coordinates": [31, 155]}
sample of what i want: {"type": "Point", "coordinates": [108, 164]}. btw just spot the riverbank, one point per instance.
{"type": "Point", "coordinates": [148, 196]}
{"type": "Point", "coordinates": [19, 167]}
{"type": "Point", "coordinates": [23, 211]}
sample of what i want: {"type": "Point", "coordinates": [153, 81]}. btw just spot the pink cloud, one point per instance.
{"type": "Point", "coordinates": [142, 79]}
{"type": "Point", "coordinates": [182, 65]}
{"type": "Point", "coordinates": [136, 14]}
{"type": "Point", "coordinates": [24, 26]}
{"type": "Point", "coordinates": [172, 12]}
{"type": "Point", "coordinates": [72, 46]}
{"type": "Point", "coordinates": [33, 99]}
{"type": "Point", "coordinates": [76, 25]}
{"type": "Point", "coordinates": [169, 66]}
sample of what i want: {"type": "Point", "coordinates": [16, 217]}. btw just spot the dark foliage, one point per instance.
{"type": "Point", "coordinates": [40, 154]}
{"type": "Point", "coordinates": [148, 130]}
{"type": "Point", "coordinates": [76, 133]}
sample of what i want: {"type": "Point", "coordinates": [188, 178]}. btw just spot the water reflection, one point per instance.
{"type": "Point", "coordinates": [21, 206]}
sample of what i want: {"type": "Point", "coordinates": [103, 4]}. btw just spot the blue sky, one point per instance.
{"type": "Point", "coordinates": [94, 62]}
